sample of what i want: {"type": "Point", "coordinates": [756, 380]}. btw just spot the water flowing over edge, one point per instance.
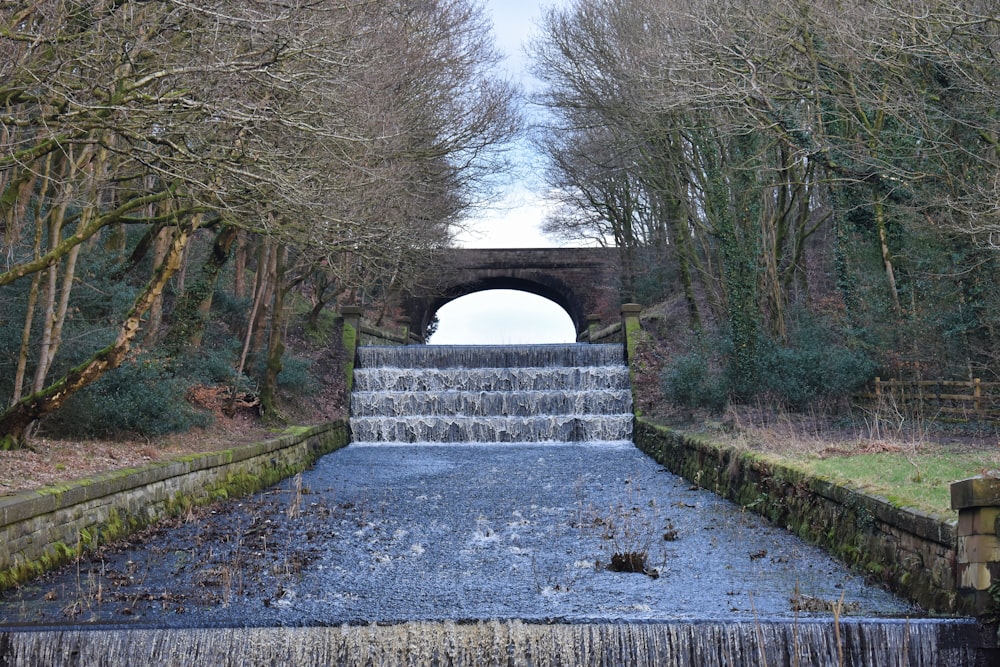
{"type": "Point", "coordinates": [483, 403]}
{"type": "Point", "coordinates": [596, 444]}
{"type": "Point", "coordinates": [473, 379]}
{"type": "Point", "coordinates": [492, 394]}
{"type": "Point", "coordinates": [681, 644]}
{"type": "Point", "coordinates": [495, 429]}
{"type": "Point", "coordinates": [494, 356]}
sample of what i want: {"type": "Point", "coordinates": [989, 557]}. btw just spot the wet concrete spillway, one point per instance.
{"type": "Point", "coordinates": [480, 517]}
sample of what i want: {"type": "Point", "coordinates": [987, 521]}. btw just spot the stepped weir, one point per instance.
{"type": "Point", "coordinates": [474, 520]}
{"type": "Point", "coordinates": [492, 394]}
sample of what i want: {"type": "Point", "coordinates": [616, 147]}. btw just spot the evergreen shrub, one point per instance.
{"type": "Point", "coordinates": [141, 397]}
{"type": "Point", "coordinates": [322, 331]}
{"type": "Point", "coordinates": [814, 365]}
{"type": "Point", "coordinates": [296, 375]}
{"type": "Point", "coordinates": [691, 381]}
{"type": "Point", "coordinates": [212, 364]}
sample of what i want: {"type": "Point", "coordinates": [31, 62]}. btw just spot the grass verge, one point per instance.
{"type": "Point", "coordinates": [907, 470]}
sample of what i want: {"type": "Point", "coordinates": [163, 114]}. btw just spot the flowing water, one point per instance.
{"type": "Point", "coordinates": [472, 522]}
{"type": "Point", "coordinates": [491, 394]}
{"type": "Point", "coordinates": [513, 643]}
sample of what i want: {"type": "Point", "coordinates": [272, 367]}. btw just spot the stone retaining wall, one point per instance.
{"type": "Point", "coordinates": [911, 552]}
{"type": "Point", "coordinates": [43, 529]}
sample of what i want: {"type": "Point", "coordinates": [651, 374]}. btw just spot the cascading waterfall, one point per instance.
{"type": "Point", "coordinates": [677, 644]}
{"type": "Point", "coordinates": [557, 396]}
{"type": "Point", "coordinates": [492, 394]}
{"type": "Point", "coordinates": [495, 356]}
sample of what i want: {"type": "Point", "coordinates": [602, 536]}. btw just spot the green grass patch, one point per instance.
{"type": "Point", "coordinates": [921, 480]}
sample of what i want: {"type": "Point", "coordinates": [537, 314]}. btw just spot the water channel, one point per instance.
{"type": "Point", "coordinates": [465, 527]}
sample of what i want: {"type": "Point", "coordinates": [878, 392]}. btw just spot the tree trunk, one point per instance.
{"type": "Point", "coordinates": [69, 275]}
{"type": "Point", "coordinates": [55, 318]}
{"type": "Point", "coordinates": [22, 355]}
{"type": "Point", "coordinates": [240, 269]}
{"type": "Point", "coordinates": [49, 308]}
{"type": "Point", "coordinates": [260, 288]}
{"type": "Point", "coordinates": [36, 281]}
{"type": "Point", "coordinates": [55, 315]}
{"type": "Point", "coordinates": [276, 345]}
{"type": "Point", "coordinates": [890, 272]}
{"type": "Point", "coordinates": [266, 267]}
{"type": "Point", "coordinates": [15, 422]}
{"type": "Point", "coordinates": [155, 321]}
{"type": "Point", "coordinates": [191, 313]}
{"type": "Point", "coordinates": [685, 254]}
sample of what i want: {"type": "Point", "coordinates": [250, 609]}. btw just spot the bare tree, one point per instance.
{"type": "Point", "coordinates": [894, 102]}
{"type": "Point", "coordinates": [752, 128]}
{"type": "Point", "coordinates": [329, 127]}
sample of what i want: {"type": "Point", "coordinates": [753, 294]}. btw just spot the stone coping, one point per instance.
{"type": "Point", "coordinates": [28, 504]}
{"type": "Point", "coordinates": [911, 551]}
{"type": "Point", "coordinates": [940, 528]}
{"type": "Point", "coordinates": [981, 491]}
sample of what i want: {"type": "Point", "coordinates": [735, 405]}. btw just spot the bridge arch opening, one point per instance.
{"type": "Point", "coordinates": [583, 281]}
{"type": "Point", "coordinates": [501, 316]}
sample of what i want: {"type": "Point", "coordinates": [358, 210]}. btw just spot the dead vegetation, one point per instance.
{"type": "Point", "coordinates": [49, 461]}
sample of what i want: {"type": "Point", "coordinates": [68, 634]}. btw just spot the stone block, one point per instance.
{"type": "Point", "coordinates": [975, 492]}
{"type": "Point", "coordinates": [973, 576]}
{"type": "Point", "coordinates": [943, 573]}
{"type": "Point", "coordinates": [974, 603]}
{"type": "Point", "coordinates": [978, 549]}
{"type": "Point", "coordinates": [978, 521]}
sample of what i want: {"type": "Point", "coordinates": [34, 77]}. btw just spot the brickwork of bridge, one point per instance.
{"type": "Point", "coordinates": [585, 282]}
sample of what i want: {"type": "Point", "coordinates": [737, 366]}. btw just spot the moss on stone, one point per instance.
{"type": "Point", "coordinates": [845, 521]}
{"type": "Point", "coordinates": [119, 524]}
{"type": "Point", "coordinates": [350, 342]}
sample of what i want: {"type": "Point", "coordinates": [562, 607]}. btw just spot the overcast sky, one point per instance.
{"type": "Point", "coordinates": [515, 222]}
{"type": "Point", "coordinates": [505, 316]}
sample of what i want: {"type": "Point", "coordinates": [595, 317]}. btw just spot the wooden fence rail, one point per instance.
{"type": "Point", "coordinates": [961, 400]}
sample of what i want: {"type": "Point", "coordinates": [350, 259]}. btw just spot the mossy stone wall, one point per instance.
{"type": "Point", "coordinates": [43, 529]}
{"type": "Point", "coordinates": [911, 552]}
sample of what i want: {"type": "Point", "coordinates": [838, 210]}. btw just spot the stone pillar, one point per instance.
{"type": "Point", "coordinates": [978, 550]}
{"type": "Point", "coordinates": [351, 337]}
{"type": "Point", "coordinates": [630, 328]}
{"type": "Point", "coordinates": [593, 324]}
{"type": "Point", "coordinates": [404, 323]}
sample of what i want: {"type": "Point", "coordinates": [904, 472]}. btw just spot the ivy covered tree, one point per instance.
{"type": "Point", "coordinates": [777, 143]}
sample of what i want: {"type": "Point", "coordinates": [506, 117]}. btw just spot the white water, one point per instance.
{"type": "Point", "coordinates": [478, 356]}
{"type": "Point", "coordinates": [491, 394]}
{"type": "Point", "coordinates": [438, 396]}
{"type": "Point", "coordinates": [679, 644]}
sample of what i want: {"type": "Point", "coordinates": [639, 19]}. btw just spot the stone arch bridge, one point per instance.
{"type": "Point", "coordinates": [585, 282]}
